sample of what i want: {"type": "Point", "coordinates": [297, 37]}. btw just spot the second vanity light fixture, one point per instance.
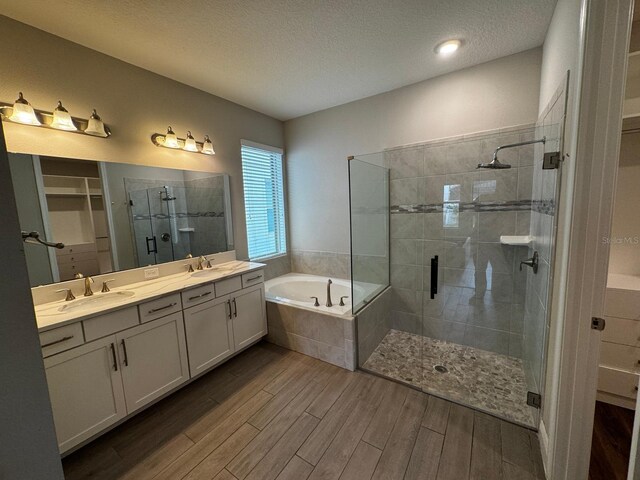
{"type": "Point", "coordinates": [22, 112]}
{"type": "Point", "coordinates": [189, 144]}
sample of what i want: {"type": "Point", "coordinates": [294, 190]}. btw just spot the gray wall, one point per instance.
{"type": "Point", "coordinates": [134, 102]}
{"type": "Point", "coordinates": [496, 94]}
{"type": "Point", "coordinates": [29, 446]}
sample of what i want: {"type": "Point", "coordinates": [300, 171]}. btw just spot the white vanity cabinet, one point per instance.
{"type": "Point", "coordinates": [153, 359]}
{"type": "Point", "coordinates": [249, 316]}
{"type": "Point", "coordinates": [105, 368]}
{"type": "Point", "coordinates": [86, 391]}
{"type": "Point", "coordinates": [209, 334]}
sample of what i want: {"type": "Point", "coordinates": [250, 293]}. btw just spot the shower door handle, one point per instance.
{"type": "Point", "coordinates": [434, 277]}
{"type": "Point", "coordinates": [155, 245]}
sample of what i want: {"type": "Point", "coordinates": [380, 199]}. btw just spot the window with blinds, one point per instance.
{"type": "Point", "coordinates": [263, 200]}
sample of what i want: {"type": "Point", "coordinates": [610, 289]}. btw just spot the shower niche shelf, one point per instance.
{"type": "Point", "coordinates": [516, 240]}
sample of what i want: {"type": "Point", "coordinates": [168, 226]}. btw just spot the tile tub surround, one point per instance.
{"type": "Point", "coordinates": [372, 324]}
{"type": "Point", "coordinates": [327, 264]}
{"type": "Point", "coordinates": [276, 266]}
{"type": "Point", "coordinates": [482, 380]}
{"type": "Point", "coordinates": [330, 338]}
{"type": "Point", "coordinates": [441, 204]}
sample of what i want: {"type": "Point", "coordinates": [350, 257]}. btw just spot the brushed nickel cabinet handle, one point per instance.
{"type": "Point", "coordinates": [154, 310]}
{"type": "Point", "coordinates": [235, 308]}
{"type": "Point", "coordinates": [200, 296]}
{"type": "Point", "coordinates": [126, 357]}
{"type": "Point", "coordinates": [115, 359]}
{"type": "Point", "coordinates": [55, 342]}
{"type": "Point", "coordinates": [254, 278]}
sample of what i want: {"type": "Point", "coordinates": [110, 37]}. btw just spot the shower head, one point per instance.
{"type": "Point", "coordinates": [494, 164]}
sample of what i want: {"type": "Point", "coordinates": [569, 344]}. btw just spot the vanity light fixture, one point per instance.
{"type": "Point", "coordinates": [62, 120]}
{"type": "Point", "coordinates": [22, 112]}
{"type": "Point", "coordinates": [189, 144]}
{"type": "Point", "coordinates": [95, 126]}
{"type": "Point", "coordinates": [207, 146]}
{"type": "Point", "coordinates": [170, 139]}
{"type": "Point", "coordinates": [447, 48]}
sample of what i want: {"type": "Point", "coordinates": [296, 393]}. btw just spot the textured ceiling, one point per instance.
{"type": "Point", "coordinates": [287, 58]}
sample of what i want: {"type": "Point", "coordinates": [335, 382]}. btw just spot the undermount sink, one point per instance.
{"type": "Point", "coordinates": [207, 273]}
{"type": "Point", "coordinates": [97, 300]}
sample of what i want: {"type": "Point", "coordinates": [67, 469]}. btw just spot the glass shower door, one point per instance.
{"type": "Point", "coordinates": [141, 225]}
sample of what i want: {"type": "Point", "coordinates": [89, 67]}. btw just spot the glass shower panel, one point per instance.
{"type": "Point", "coordinates": [369, 193]}
{"type": "Point", "coordinates": [142, 228]}
{"type": "Point", "coordinates": [165, 234]}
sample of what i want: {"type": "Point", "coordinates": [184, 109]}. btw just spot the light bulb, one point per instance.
{"type": "Point", "coordinates": [62, 120]}
{"type": "Point", "coordinates": [190, 143]}
{"type": "Point", "coordinates": [170, 139]}
{"type": "Point", "coordinates": [447, 48]}
{"type": "Point", "coordinates": [23, 112]}
{"type": "Point", "coordinates": [207, 146]}
{"type": "Point", "coordinates": [95, 126]}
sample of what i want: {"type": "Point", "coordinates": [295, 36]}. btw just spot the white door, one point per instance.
{"type": "Point", "coordinates": [86, 392]}
{"type": "Point", "coordinates": [153, 358]}
{"type": "Point", "coordinates": [209, 335]}
{"type": "Point", "coordinates": [249, 316]}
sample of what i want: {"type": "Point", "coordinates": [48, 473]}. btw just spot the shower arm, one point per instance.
{"type": "Point", "coordinates": [542, 140]}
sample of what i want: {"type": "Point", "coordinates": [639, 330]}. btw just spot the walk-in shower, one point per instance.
{"type": "Point", "coordinates": [460, 312]}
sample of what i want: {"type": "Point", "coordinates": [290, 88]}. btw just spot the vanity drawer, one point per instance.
{"type": "Point", "coordinates": [622, 357]}
{"type": "Point", "coordinates": [110, 323]}
{"type": "Point", "coordinates": [252, 278]}
{"type": "Point", "coordinates": [224, 287]}
{"type": "Point", "coordinates": [195, 296]}
{"type": "Point", "coordinates": [617, 382]}
{"type": "Point", "coordinates": [160, 307]}
{"type": "Point", "coordinates": [622, 331]}
{"type": "Point", "coordinates": [79, 248]}
{"type": "Point", "coordinates": [61, 339]}
{"type": "Point", "coordinates": [76, 257]}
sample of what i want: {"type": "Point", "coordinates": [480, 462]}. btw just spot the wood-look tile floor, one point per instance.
{"type": "Point", "coordinates": [274, 414]}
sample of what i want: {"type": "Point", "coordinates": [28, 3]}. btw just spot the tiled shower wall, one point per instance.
{"type": "Point", "coordinates": [441, 204]}
{"type": "Point", "coordinates": [544, 193]}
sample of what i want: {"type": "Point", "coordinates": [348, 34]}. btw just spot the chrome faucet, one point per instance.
{"type": "Point", "coordinates": [87, 286]}
{"type": "Point", "coordinates": [329, 304]}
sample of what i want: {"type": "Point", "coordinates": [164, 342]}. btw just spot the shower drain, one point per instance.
{"type": "Point", "coordinates": [440, 369]}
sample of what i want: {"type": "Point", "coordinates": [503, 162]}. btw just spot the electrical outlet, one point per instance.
{"type": "Point", "coordinates": [151, 273]}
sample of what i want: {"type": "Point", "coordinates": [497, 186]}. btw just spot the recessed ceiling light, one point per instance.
{"type": "Point", "coordinates": [447, 48]}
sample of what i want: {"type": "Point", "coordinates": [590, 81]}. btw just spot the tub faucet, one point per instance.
{"type": "Point", "coordinates": [329, 304]}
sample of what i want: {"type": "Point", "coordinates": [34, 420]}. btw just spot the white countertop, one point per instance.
{"type": "Point", "coordinates": [623, 282]}
{"type": "Point", "coordinates": [48, 315]}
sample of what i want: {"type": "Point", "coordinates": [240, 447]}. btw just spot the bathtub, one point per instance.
{"type": "Point", "coordinates": [297, 289]}
{"type": "Point", "coordinates": [326, 333]}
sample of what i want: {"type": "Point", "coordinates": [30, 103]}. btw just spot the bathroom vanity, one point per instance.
{"type": "Point", "coordinates": [110, 354]}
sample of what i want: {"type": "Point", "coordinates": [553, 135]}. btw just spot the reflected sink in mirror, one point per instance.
{"type": "Point", "coordinates": [97, 300]}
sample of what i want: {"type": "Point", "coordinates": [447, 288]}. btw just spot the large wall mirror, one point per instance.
{"type": "Point", "coordinates": [116, 216]}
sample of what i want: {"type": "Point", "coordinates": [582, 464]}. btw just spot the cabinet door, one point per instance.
{"type": "Point", "coordinates": [249, 316]}
{"type": "Point", "coordinates": [86, 392]}
{"type": "Point", "coordinates": [209, 336]}
{"type": "Point", "coordinates": [154, 360]}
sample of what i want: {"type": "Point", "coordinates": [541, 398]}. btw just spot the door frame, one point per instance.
{"type": "Point", "coordinates": [598, 122]}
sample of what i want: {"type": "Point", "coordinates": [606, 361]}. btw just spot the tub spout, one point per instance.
{"type": "Point", "coordinates": [329, 304]}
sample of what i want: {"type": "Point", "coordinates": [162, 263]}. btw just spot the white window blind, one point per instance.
{"type": "Point", "coordinates": [263, 200]}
